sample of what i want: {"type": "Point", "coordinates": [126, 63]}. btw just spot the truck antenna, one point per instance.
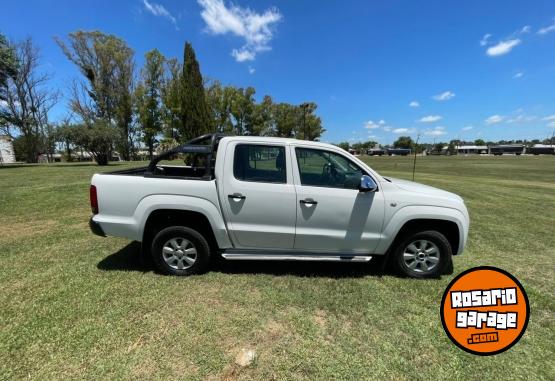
{"type": "Point", "coordinates": [414, 163]}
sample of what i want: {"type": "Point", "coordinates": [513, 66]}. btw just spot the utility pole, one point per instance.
{"type": "Point", "coordinates": [414, 163]}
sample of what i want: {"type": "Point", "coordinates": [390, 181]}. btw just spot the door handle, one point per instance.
{"type": "Point", "coordinates": [237, 195]}
{"type": "Point", "coordinates": [308, 201]}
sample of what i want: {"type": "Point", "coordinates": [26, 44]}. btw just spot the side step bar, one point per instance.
{"type": "Point", "coordinates": [296, 257]}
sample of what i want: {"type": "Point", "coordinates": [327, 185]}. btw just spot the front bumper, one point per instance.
{"type": "Point", "coordinates": [96, 228]}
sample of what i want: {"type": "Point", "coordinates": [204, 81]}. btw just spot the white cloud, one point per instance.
{"type": "Point", "coordinates": [414, 104]}
{"type": "Point", "coordinates": [430, 119]}
{"type": "Point", "coordinates": [251, 70]}
{"type": "Point", "coordinates": [518, 75]}
{"type": "Point", "coordinates": [503, 47]}
{"type": "Point", "coordinates": [549, 118]}
{"type": "Point", "coordinates": [467, 128]}
{"type": "Point", "coordinates": [3, 103]}
{"type": "Point", "coordinates": [445, 96]}
{"type": "Point", "coordinates": [403, 130]}
{"type": "Point", "coordinates": [521, 118]}
{"type": "Point", "coordinates": [255, 28]}
{"type": "Point", "coordinates": [547, 29]}
{"type": "Point", "coordinates": [436, 131]}
{"type": "Point", "coordinates": [526, 29]}
{"type": "Point", "coordinates": [484, 41]}
{"type": "Point", "coordinates": [551, 124]}
{"type": "Point", "coordinates": [161, 11]}
{"type": "Point", "coordinates": [494, 119]}
{"type": "Point", "coordinates": [371, 125]}
{"type": "Point", "coordinates": [243, 55]}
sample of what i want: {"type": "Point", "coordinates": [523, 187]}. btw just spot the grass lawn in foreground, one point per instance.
{"type": "Point", "coordinates": [73, 305]}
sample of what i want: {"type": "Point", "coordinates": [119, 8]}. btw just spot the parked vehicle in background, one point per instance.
{"type": "Point", "coordinates": [276, 199]}
{"type": "Point", "coordinates": [398, 151]}
{"type": "Point", "coordinates": [517, 149]}
{"type": "Point", "coordinates": [541, 149]}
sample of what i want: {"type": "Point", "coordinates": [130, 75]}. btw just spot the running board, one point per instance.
{"type": "Point", "coordinates": [296, 257]}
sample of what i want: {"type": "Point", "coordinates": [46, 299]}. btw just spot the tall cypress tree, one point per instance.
{"type": "Point", "coordinates": [194, 111]}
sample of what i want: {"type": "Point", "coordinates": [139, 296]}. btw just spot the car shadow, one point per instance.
{"type": "Point", "coordinates": [131, 258]}
{"type": "Point", "coordinates": [128, 258]}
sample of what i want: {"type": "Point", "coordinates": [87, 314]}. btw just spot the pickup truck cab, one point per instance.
{"type": "Point", "coordinates": [261, 198]}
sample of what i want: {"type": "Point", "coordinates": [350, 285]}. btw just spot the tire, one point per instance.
{"type": "Point", "coordinates": [177, 250]}
{"type": "Point", "coordinates": [425, 254]}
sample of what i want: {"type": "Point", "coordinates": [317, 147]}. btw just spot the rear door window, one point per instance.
{"type": "Point", "coordinates": [260, 163]}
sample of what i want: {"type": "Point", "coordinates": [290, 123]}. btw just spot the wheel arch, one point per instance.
{"type": "Point", "coordinates": [192, 212]}
{"type": "Point", "coordinates": [452, 223]}
{"type": "Point", "coordinates": [159, 219]}
{"type": "Point", "coordinates": [446, 227]}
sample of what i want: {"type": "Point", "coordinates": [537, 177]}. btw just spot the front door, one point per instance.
{"type": "Point", "coordinates": [259, 196]}
{"type": "Point", "coordinates": [332, 215]}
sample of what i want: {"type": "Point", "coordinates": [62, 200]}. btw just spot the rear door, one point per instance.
{"type": "Point", "coordinates": [332, 215]}
{"type": "Point", "coordinates": [259, 195]}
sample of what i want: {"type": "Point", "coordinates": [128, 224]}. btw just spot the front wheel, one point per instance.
{"type": "Point", "coordinates": [178, 250]}
{"type": "Point", "coordinates": [424, 254]}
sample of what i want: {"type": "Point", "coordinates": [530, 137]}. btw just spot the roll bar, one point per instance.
{"type": "Point", "coordinates": [195, 145]}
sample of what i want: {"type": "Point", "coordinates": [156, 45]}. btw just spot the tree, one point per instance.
{"type": "Point", "coordinates": [344, 145]}
{"type": "Point", "coordinates": [194, 111]}
{"type": "Point", "coordinates": [105, 97]}
{"type": "Point", "coordinates": [28, 101]}
{"type": "Point", "coordinates": [310, 125]}
{"type": "Point", "coordinates": [242, 109]}
{"type": "Point", "coordinates": [219, 101]}
{"type": "Point", "coordinates": [65, 134]}
{"type": "Point", "coordinates": [171, 99]}
{"type": "Point", "coordinates": [8, 64]}
{"type": "Point", "coordinates": [286, 117]}
{"type": "Point", "coordinates": [148, 96]}
{"type": "Point", "coordinates": [403, 142]}
{"type": "Point", "coordinates": [263, 118]}
{"type": "Point", "coordinates": [96, 138]}
{"type": "Point", "coordinates": [479, 142]}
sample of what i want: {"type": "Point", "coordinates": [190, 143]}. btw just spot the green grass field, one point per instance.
{"type": "Point", "coordinates": [73, 305]}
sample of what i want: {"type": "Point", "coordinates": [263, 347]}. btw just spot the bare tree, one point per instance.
{"type": "Point", "coordinates": [28, 100]}
{"type": "Point", "coordinates": [105, 97]}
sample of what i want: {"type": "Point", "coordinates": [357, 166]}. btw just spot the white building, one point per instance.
{"type": "Point", "coordinates": [6, 150]}
{"type": "Point", "coordinates": [464, 150]}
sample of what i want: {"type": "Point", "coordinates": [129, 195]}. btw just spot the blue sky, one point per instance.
{"type": "Point", "coordinates": [376, 69]}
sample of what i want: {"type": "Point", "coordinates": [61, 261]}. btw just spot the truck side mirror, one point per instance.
{"type": "Point", "coordinates": [367, 184]}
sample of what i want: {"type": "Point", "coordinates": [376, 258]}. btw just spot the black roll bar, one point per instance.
{"type": "Point", "coordinates": [192, 146]}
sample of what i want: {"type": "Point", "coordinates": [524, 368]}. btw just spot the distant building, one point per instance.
{"type": "Point", "coordinates": [376, 152]}
{"type": "Point", "coordinates": [7, 154]}
{"type": "Point", "coordinates": [465, 150]}
{"type": "Point", "coordinates": [398, 151]}
{"type": "Point", "coordinates": [539, 149]}
{"type": "Point", "coordinates": [516, 149]}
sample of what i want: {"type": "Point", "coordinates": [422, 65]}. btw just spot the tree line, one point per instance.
{"type": "Point", "coordinates": [408, 142]}
{"type": "Point", "coordinates": [115, 107]}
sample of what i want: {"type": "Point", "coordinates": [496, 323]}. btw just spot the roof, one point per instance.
{"type": "Point", "coordinates": [288, 141]}
{"type": "Point", "coordinates": [472, 147]}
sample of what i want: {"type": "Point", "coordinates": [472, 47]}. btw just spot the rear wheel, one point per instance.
{"type": "Point", "coordinates": [424, 254]}
{"type": "Point", "coordinates": [178, 250]}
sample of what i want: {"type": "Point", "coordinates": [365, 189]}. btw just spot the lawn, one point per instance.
{"type": "Point", "coordinates": [74, 305]}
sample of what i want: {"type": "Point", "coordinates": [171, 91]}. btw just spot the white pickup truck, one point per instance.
{"type": "Point", "coordinates": [265, 198]}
